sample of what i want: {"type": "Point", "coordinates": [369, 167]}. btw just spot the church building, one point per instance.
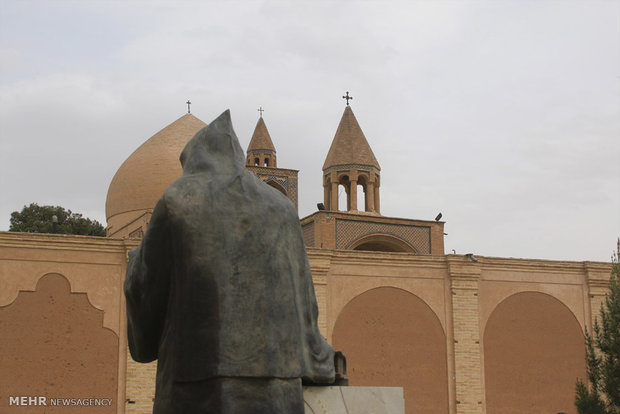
{"type": "Point", "coordinates": [460, 334]}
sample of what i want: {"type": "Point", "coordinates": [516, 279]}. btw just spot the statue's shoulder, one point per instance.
{"type": "Point", "coordinates": [185, 189]}
{"type": "Point", "coordinates": [184, 184]}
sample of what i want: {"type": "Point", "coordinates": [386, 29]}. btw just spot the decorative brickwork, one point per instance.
{"type": "Point", "coordinates": [308, 232]}
{"type": "Point", "coordinates": [349, 231]}
{"type": "Point", "coordinates": [351, 167]}
{"type": "Point", "coordinates": [283, 178]}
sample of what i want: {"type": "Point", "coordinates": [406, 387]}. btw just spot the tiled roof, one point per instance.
{"type": "Point", "coordinates": [261, 140]}
{"type": "Point", "coordinates": [350, 145]}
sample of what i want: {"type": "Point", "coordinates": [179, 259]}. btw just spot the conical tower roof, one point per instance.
{"type": "Point", "coordinates": [350, 145]}
{"type": "Point", "coordinates": [261, 140]}
{"type": "Point", "coordinates": [149, 170]}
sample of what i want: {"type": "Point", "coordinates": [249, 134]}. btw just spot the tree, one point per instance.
{"type": "Point", "coordinates": [39, 219]}
{"type": "Point", "coordinates": [602, 396]}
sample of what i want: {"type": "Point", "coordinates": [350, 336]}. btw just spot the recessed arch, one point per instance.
{"type": "Point", "coordinates": [58, 345]}
{"type": "Point", "coordinates": [534, 347]}
{"type": "Point", "coordinates": [277, 186]}
{"type": "Point", "coordinates": [363, 179]}
{"type": "Point", "coordinates": [382, 243]}
{"type": "Point", "coordinates": [391, 337]}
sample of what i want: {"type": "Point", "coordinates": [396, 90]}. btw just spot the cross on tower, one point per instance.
{"type": "Point", "coordinates": [261, 110]}
{"type": "Point", "coordinates": [188, 104]}
{"type": "Point", "coordinates": [347, 97]}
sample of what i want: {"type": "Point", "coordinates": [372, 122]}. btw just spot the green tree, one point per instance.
{"type": "Point", "coordinates": [39, 219]}
{"type": "Point", "coordinates": [602, 396]}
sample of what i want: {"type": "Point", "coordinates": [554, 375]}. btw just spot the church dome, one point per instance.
{"type": "Point", "coordinates": [144, 176]}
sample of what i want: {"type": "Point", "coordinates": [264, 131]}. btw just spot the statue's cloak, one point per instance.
{"type": "Point", "coordinates": [221, 285]}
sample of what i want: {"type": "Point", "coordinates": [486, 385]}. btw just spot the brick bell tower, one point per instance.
{"type": "Point", "coordinates": [261, 160]}
{"type": "Point", "coordinates": [261, 151]}
{"type": "Point", "coordinates": [350, 162]}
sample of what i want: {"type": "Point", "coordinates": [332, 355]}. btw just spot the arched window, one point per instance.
{"type": "Point", "coordinates": [344, 193]}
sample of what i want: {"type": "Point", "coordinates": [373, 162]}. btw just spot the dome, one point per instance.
{"type": "Point", "coordinates": [144, 176]}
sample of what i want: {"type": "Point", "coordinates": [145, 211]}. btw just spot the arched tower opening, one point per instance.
{"type": "Point", "coordinates": [362, 183]}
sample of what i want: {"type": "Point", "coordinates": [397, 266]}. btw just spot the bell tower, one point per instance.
{"type": "Point", "coordinates": [351, 167]}
{"type": "Point", "coordinates": [350, 162]}
{"type": "Point", "coordinates": [261, 152]}
{"type": "Point", "coordinates": [261, 160]}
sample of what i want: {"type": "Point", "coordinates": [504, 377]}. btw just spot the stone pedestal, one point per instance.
{"type": "Point", "coordinates": [358, 400]}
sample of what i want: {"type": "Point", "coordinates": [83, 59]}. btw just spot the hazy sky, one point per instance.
{"type": "Point", "coordinates": [503, 115]}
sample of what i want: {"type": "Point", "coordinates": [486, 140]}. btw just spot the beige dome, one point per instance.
{"type": "Point", "coordinates": [143, 177]}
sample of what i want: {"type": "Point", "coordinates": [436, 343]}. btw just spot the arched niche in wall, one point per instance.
{"type": "Point", "coordinates": [382, 243]}
{"type": "Point", "coordinates": [533, 353]}
{"type": "Point", "coordinates": [54, 345]}
{"type": "Point", "coordinates": [392, 338]}
{"type": "Point", "coordinates": [277, 186]}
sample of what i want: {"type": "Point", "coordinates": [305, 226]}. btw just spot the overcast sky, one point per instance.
{"type": "Point", "coordinates": [503, 115]}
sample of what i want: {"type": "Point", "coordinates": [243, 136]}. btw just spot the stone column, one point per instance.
{"type": "Point", "coordinates": [326, 192]}
{"type": "Point", "coordinates": [377, 206]}
{"type": "Point", "coordinates": [468, 365]}
{"type": "Point", "coordinates": [370, 196]}
{"type": "Point", "coordinates": [353, 191]}
{"type": "Point", "coordinates": [334, 198]}
{"type": "Point", "coordinates": [347, 190]}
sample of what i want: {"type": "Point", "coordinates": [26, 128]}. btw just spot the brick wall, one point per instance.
{"type": "Point", "coordinates": [140, 386]}
{"type": "Point", "coordinates": [464, 279]}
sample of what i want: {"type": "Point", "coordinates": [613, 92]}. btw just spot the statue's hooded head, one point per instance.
{"type": "Point", "coordinates": [215, 149]}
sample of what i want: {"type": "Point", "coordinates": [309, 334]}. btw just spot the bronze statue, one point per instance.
{"type": "Point", "coordinates": [220, 290]}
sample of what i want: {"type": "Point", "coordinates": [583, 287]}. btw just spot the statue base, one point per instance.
{"type": "Point", "coordinates": [359, 400]}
